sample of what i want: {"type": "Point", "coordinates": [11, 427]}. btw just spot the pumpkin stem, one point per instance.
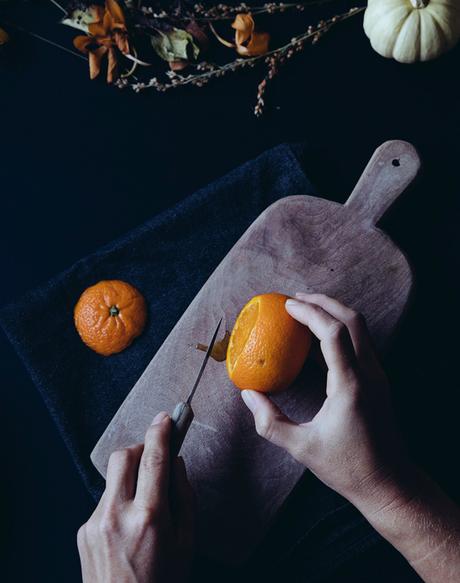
{"type": "Point", "coordinates": [420, 3]}
{"type": "Point", "coordinates": [114, 311]}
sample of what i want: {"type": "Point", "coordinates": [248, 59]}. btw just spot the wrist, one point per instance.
{"type": "Point", "coordinates": [387, 490]}
{"type": "Point", "coordinates": [394, 502]}
{"type": "Point", "coordinates": [417, 518]}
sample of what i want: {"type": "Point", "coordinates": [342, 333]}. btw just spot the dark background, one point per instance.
{"type": "Point", "coordinates": [81, 163]}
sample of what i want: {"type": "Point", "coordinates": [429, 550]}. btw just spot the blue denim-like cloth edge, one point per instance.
{"type": "Point", "coordinates": [168, 259]}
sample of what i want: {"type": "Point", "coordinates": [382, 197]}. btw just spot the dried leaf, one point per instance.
{"type": "Point", "coordinates": [82, 18]}
{"type": "Point", "coordinates": [4, 37]}
{"type": "Point", "coordinates": [178, 65]}
{"type": "Point", "coordinates": [82, 43]}
{"type": "Point", "coordinates": [248, 42]}
{"type": "Point", "coordinates": [95, 59]}
{"type": "Point", "coordinates": [199, 35]}
{"type": "Point", "coordinates": [244, 26]}
{"type": "Point", "coordinates": [111, 66]}
{"type": "Point", "coordinates": [121, 40]}
{"type": "Point", "coordinates": [175, 45]}
{"type": "Point", "coordinates": [258, 45]}
{"type": "Point", "coordinates": [115, 11]}
{"type": "Point", "coordinates": [99, 28]}
{"type": "Point", "coordinates": [221, 39]}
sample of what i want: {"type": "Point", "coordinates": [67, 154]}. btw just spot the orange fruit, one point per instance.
{"type": "Point", "coordinates": [267, 347]}
{"type": "Point", "coordinates": [109, 315]}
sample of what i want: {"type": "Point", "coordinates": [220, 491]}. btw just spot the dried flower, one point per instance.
{"type": "Point", "coordinates": [178, 35]}
{"type": "Point", "coordinates": [248, 42]}
{"type": "Point", "coordinates": [107, 34]}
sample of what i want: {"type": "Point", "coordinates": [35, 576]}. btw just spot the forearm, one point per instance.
{"type": "Point", "coordinates": [418, 519]}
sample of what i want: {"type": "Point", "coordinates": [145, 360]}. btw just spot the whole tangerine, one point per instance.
{"type": "Point", "coordinates": [110, 315]}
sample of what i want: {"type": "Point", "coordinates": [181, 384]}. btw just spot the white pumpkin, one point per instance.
{"type": "Point", "coordinates": [412, 30]}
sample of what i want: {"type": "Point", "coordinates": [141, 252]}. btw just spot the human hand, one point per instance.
{"type": "Point", "coordinates": [352, 444]}
{"type": "Point", "coordinates": [137, 534]}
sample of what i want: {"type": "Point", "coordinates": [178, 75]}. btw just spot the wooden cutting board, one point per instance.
{"type": "Point", "coordinates": [300, 243]}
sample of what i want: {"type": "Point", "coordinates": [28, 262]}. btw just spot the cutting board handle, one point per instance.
{"type": "Point", "coordinates": [389, 172]}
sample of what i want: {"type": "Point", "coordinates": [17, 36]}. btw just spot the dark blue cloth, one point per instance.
{"type": "Point", "coordinates": [168, 259]}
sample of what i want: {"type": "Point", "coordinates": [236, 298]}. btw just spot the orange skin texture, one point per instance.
{"type": "Point", "coordinates": [267, 348]}
{"type": "Point", "coordinates": [107, 333]}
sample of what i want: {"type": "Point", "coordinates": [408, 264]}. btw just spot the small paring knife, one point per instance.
{"type": "Point", "coordinates": [183, 415]}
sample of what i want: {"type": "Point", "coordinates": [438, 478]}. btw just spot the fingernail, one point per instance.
{"type": "Point", "coordinates": [248, 398]}
{"type": "Point", "coordinates": [159, 417]}
{"type": "Point", "coordinates": [292, 303]}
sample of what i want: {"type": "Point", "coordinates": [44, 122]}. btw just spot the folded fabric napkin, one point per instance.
{"type": "Point", "coordinates": [168, 259]}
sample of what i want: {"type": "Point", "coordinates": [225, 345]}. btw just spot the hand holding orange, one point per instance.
{"type": "Point", "coordinates": [267, 347]}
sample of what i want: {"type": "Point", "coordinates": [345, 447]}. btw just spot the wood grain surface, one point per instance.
{"type": "Point", "coordinates": [300, 243]}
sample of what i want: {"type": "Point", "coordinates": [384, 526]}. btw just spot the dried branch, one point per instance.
{"type": "Point", "coordinates": [202, 13]}
{"type": "Point", "coordinates": [147, 21]}
{"type": "Point", "coordinates": [205, 72]}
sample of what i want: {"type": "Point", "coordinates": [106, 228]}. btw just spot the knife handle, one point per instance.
{"type": "Point", "coordinates": [181, 418]}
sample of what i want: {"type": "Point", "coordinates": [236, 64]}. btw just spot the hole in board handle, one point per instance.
{"type": "Point", "coordinates": [396, 162]}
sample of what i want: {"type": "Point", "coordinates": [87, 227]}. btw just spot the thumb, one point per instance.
{"type": "Point", "coordinates": [272, 424]}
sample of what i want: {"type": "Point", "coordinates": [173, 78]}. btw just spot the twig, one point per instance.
{"type": "Point", "coordinates": [46, 40]}
{"type": "Point", "coordinates": [59, 6]}
{"type": "Point", "coordinates": [279, 55]}
{"type": "Point", "coordinates": [223, 12]}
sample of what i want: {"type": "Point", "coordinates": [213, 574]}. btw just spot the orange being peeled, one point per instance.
{"type": "Point", "coordinates": [110, 315]}
{"type": "Point", "coordinates": [267, 347]}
